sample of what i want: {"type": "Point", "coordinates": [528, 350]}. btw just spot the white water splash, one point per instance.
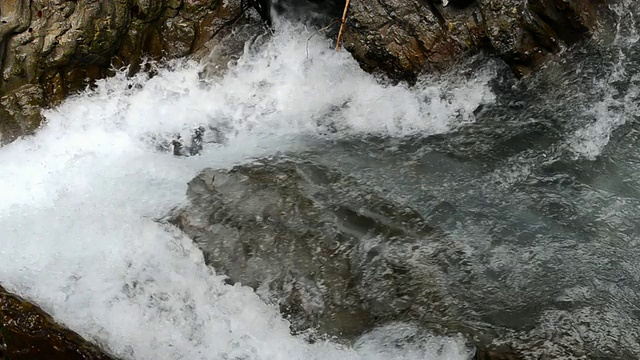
{"type": "Point", "coordinates": [77, 201]}
{"type": "Point", "coordinates": [610, 113]}
{"type": "Point", "coordinates": [626, 31]}
{"type": "Point", "coordinates": [614, 109]}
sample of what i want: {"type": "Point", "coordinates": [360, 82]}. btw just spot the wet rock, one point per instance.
{"type": "Point", "coordinates": [492, 352]}
{"type": "Point", "coordinates": [406, 38]}
{"type": "Point", "coordinates": [53, 48]}
{"type": "Point", "coordinates": [333, 256]}
{"type": "Point", "coordinates": [27, 332]}
{"type": "Point", "coordinates": [220, 55]}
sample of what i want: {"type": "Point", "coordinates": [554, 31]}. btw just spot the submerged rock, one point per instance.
{"type": "Point", "coordinates": [27, 332]}
{"type": "Point", "coordinates": [406, 38]}
{"type": "Point", "coordinates": [334, 257]}
{"type": "Point", "coordinates": [53, 48]}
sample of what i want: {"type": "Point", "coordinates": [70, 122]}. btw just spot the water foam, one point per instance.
{"type": "Point", "coordinates": [608, 114]}
{"type": "Point", "coordinates": [77, 201]}
{"type": "Point", "coordinates": [617, 104]}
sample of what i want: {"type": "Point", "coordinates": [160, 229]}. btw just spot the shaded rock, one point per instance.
{"type": "Point", "coordinates": [406, 38]}
{"type": "Point", "coordinates": [27, 332]}
{"type": "Point", "coordinates": [220, 55]}
{"type": "Point", "coordinates": [333, 256]}
{"type": "Point", "coordinates": [50, 49]}
{"type": "Point", "coordinates": [318, 13]}
{"type": "Point", "coordinates": [491, 352]}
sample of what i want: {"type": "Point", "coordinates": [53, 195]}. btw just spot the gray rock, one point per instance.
{"type": "Point", "coordinates": [342, 259]}
{"type": "Point", "coordinates": [332, 256]}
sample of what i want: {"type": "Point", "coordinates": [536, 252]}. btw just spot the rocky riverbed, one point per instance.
{"type": "Point", "coordinates": [340, 259]}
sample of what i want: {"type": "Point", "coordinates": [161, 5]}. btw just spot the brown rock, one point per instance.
{"type": "Point", "coordinates": [406, 38]}
{"type": "Point", "coordinates": [403, 38]}
{"type": "Point", "coordinates": [333, 256]}
{"type": "Point", "coordinates": [27, 333]}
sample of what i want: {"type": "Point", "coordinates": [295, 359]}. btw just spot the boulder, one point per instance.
{"type": "Point", "coordinates": [53, 48]}
{"type": "Point", "coordinates": [406, 38]}
{"type": "Point", "coordinates": [27, 332]}
{"type": "Point", "coordinates": [334, 257]}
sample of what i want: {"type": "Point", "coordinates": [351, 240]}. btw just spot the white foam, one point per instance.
{"type": "Point", "coordinates": [613, 110]}
{"type": "Point", "coordinates": [608, 114]}
{"type": "Point", "coordinates": [77, 201]}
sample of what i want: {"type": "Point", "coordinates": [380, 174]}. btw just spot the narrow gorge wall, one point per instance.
{"type": "Point", "coordinates": [406, 37]}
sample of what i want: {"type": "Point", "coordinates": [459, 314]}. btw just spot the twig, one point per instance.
{"type": "Point", "coordinates": [344, 19]}
{"type": "Point", "coordinates": [328, 26]}
{"type": "Point", "coordinates": [319, 31]}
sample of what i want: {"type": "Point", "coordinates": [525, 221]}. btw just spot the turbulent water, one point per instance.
{"type": "Point", "coordinates": [540, 179]}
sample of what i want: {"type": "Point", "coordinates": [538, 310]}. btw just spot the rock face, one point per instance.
{"type": "Point", "coordinates": [405, 38]}
{"type": "Point", "coordinates": [51, 48]}
{"type": "Point", "coordinates": [27, 332]}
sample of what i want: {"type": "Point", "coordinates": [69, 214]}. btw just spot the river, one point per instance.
{"type": "Point", "coordinates": [540, 176]}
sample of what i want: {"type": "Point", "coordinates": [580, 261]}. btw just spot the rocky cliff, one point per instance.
{"type": "Point", "coordinates": [406, 37]}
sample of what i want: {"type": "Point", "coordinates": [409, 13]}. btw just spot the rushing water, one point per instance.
{"type": "Point", "coordinates": [540, 178]}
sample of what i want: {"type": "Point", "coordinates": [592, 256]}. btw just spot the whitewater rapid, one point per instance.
{"type": "Point", "coordinates": [80, 199]}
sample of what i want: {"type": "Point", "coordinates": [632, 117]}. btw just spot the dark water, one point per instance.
{"type": "Point", "coordinates": [543, 190]}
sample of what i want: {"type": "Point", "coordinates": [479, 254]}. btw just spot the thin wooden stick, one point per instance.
{"type": "Point", "coordinates": [319, 31]}
{"type": "Point", "coordinates": [344, 19]}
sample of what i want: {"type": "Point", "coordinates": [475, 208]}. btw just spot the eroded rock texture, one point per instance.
{"type": "Point", "coordinates": [333, 255]}
{"type": "Point", "coordinates": [27, 333]}
{"type": "Point", "coordinates": [49, 48]}
{"type": "Point", "coordinates": [406, 37]}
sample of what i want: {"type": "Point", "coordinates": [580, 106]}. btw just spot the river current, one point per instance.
{"type": "Point", "coordinates": [539, 178]}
